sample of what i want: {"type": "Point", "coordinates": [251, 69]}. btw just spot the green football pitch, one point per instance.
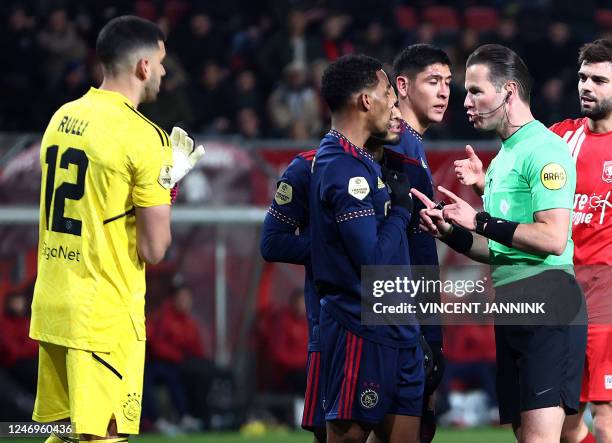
{"type": "Point", "coordinates": [484, 435]}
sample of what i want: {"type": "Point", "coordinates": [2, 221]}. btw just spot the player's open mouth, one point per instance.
{"type": "Point", "coordinates": [395, 126]}
{"type": "Point", "coordinates": [472, 116]}
{"type": "Point", "coordinates": [440, 108]}
{"type": "Point", "coordinates": [586, 100]}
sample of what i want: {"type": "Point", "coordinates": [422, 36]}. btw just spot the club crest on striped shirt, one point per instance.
{"type": "Point", "coordinates": [606, 174]}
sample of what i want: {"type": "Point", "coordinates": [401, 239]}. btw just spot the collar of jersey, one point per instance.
{"type": "Point", "coordinates": [406, 127]}
{"type": "Point", "coordinates": [110, 95]}
{"type": "Point", "coordinates": [521, 133]}
{"type": "Point", "coordinates": [339, 136]}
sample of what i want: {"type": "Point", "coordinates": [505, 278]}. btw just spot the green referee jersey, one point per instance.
{"type": "Point", "coordinates": [532, 172]}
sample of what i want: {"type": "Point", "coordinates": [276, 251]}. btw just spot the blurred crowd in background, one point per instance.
{"type": "Point", "coordinates": [253, 68]}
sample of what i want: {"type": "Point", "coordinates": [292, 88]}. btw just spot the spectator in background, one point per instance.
{"type": "Point", "coordinates": [248, 124]}
{"type": "Point", "coordinates": [554, 103]}
{"type": "Point", "coordinates": [19, 80]}
{"type": "Point", "coordinates": [375, 43]}
{"type": "Point", "coordinates": [19, 353]}
{"type": "Point", "coordinates": [197, 39]}
{"type": "Point", "coordinates": [59, 44]}
{"type": "Point", "coordinates": [289, 348]}
{"type": "Point", "coordinates": [174, 339]}
{"type": "Point", "coordinates": [294, 103]}
{"type": "Point", "coordinates": [290, 45]}
{"type": "Point", "coordinates": [247, 93]}
{"type": "Point", "coordinates": [470, 364]}
{"type": "Point", "coordinates": [172, 107]}
{"type": "Point", "coordinates": [211, 100]}
{"type": "Point", "coordinates": [335, 40]}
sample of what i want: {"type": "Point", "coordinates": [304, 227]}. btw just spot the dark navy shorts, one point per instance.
{"type": "Point", "coordinates": [363, 381]}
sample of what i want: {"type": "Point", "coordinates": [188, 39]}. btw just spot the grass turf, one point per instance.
{"type": "Point", "coordinates": [477, 435]}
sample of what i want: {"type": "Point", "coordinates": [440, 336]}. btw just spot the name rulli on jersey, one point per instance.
{"type": "Point", "coordinates": [72, 125]}
{"type": "Point", "coordinates": [61, 252]}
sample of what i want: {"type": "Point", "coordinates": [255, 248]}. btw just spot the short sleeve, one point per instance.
{"type": "Point", "coordinates": [551, 174]}
{"type": "Point", "coordinates": [151, 173]}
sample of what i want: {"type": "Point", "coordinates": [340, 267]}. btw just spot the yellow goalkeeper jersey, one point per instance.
{"type": "Point", "coordinates": [100, 159]}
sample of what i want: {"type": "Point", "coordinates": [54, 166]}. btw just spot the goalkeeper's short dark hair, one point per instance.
{"type": "Point", "coordinates": [415, 58]}
{"type": "Point", "coordinates": [123, 35]}
{"type": "Point", "coordinates": [346, 76]}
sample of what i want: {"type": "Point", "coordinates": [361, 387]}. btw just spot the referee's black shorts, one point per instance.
{"type": "Point", "coordinates": [540, 365]}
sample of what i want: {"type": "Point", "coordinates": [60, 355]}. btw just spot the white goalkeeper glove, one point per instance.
{"type": "Point", "coordinates": [184, 157]}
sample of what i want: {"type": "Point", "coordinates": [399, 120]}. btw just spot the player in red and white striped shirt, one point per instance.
{"type": "Point", "coordinates": [590, 142]}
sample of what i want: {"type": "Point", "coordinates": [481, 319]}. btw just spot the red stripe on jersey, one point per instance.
{"type": "Point", "coordinates": [356, 365]}
{"type": "Point", "coordinates": [308, 155]}
{"type": "Point", "coordinates": [403, 158]}
{"type": "Point", "coordinates": [346, 368]}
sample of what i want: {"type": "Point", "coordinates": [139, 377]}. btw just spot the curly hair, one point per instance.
{"type": "Point", "coordinates": [346, 76]}
{"type": "Point", "coordinates": [597, 51]}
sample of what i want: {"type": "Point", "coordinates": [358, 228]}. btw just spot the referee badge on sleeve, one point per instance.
{"type": "Point", "coordinates": [358, 187]}
{"type": "Point", "coordinates": [165, 176]}
{"type": "Point", "coordinates": [553, 176]}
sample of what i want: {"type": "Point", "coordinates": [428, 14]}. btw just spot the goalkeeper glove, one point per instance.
{"type": "Point", "coordinates": [184, 156]}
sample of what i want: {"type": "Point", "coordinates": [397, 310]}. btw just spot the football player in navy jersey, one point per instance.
{"type": "Point", "coordinates": [372, 377]}
{"type": "Point", "coordinates": [422, 77]}
{"type": "Point", "coordinates": [285, 238]}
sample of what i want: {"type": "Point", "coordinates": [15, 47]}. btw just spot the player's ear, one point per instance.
{"type": "Point", "coordinates": [143, 69]}
{"type": "Point", "coordinates": [364, 101]}
{"type": "Point", "coordinates": [402, 83]}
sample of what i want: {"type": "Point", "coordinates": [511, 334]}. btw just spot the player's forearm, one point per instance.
{"type": "Point", "coordinates": [480, 249]}
{"type": "Point", "coordinates": [369, 246]}
{"type": "Point", "coordinates": [540, 238]}
{"type": "Point", "coordinates": [279, 242]}
{"type": "Point", "coordinates": [285, 248]}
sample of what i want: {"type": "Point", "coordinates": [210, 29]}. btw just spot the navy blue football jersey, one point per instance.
{"type": "Point", "coordinates": [286, 238]}
{"type": "Point", "coordinates": [353, 224]}
{"type": "Point", "coordinates": [413, 162]}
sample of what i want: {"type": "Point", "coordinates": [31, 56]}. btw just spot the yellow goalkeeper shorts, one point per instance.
{"type": "Point", "coordinates": [91, 388]}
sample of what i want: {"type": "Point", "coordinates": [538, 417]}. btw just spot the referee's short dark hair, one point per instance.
{"type": "Point", "coordinates": [598, 51]}
{"type": "Point", "coordinates": [346, 76]}
{"type": "Point", "coordinates": [415, 58]}
{"type": "Point", "coordinates": [123, 35]}
{"type": "Point", "coordinates": [504, 65]}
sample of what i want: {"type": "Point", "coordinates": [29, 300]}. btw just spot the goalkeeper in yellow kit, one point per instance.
{"type": "Point", "coordinates": [107, 175]}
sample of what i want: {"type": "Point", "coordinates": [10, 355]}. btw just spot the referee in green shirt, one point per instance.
{"type": "Point", "coordinates": [525, 233]}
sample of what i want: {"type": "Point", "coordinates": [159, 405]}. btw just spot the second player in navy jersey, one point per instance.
{"type": "Point", "coordinates": [286, 238]}
{"type": "Point", "coordinates": [423, 81]}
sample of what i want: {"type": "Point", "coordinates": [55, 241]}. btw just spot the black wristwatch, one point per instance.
{"type": "Point", "coordinates": [482, 219]}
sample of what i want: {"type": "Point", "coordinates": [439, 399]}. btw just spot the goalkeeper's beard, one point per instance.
{"type": "Point", "coordinates": [151, 89]}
